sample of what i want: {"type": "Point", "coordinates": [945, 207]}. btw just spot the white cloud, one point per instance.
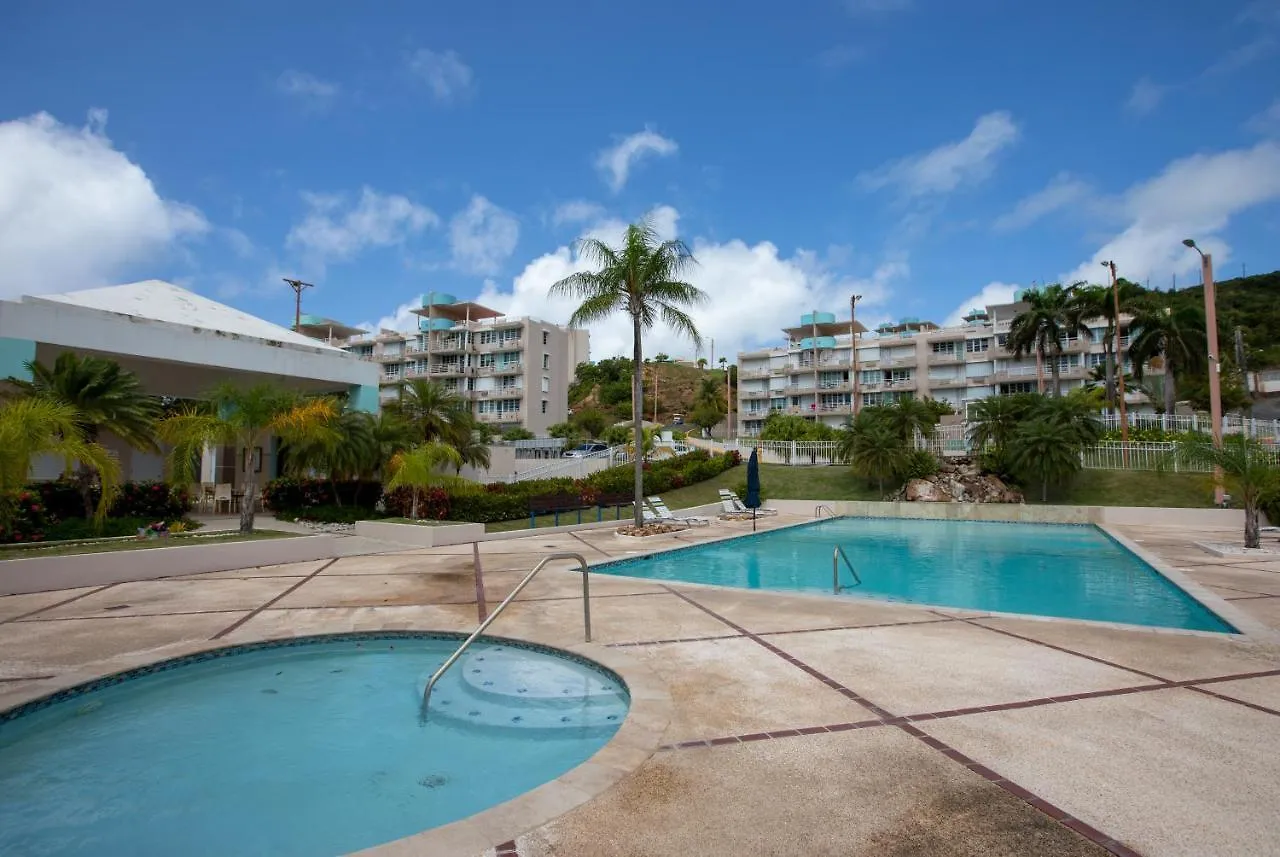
{"type": "Point", "coordinates": [74, 211]}
{"type": "Point", "coordinates": [482, 236]}
{"type": "Point", "coordinates": [300, 84]}
{"type": "Point", "coordinates": [753, 290]}
{"type": "Point", "coordinates": [992, 293]}
{"type": "Point", "coordinates": [1194, 197]}
{"type": "Point", "coordinates": [951, 165]}
{"type": "Point", "coordinates": [868, 7]}
{"type": "Point", "coordinates": [1241, 57]}
{"type": "Point", "coordinates": [836, 58]}
{"type": "Point", "coordinates": [239, 243]}
{"type": "Point", "coordinates": [1146, 96]}
{"type": "Point", "coordinates": [1266, 121]}
{"type": "Point", "coordinates": [576, 211]}
{"type": "Point", "coordinates": [444, 72]}
{"type": "Point", "coordinates": [332, 231]}
{"type": "Point", "coordinates": [615, 162]}
{"type": "Point", "coordinates": [1062, 191]}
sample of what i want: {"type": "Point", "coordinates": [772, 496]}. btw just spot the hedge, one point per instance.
{"type": "Point", "coordinates": [312, 499]}
{"type": "Point", "coordinates": [45, 510]}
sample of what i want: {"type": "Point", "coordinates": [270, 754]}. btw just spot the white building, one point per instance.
{"type": "Point", "coordinates": [818, 375]}
{"type": "Point", "coordinates": [511, 371]}
{"type": "Point", "coordinates": [180, 345]}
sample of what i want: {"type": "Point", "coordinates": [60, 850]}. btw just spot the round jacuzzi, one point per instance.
{"type": "Point", "coordinates": [301, 748]}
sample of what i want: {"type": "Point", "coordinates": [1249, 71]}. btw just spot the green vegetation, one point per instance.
{"type": "Point", "coordinates": [1250, 304]}
{"type": "Point", "coordinates": [28, 551]}
{"type": "Point", "coordinates": [1249, 470]}
{"type": "Point", "coordinates": [1051, 316]}
{"type": "Point", "coordinates": [419, 468]}
{"type": "Point", "coordinates": [641, 278]}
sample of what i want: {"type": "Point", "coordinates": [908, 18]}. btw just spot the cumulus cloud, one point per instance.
{"type": "Point", "coordinates": [615, 162]}
{"type": "Point", "coordinates": [576, 211]}
{"type": "Point", "coordinates": [949, 166]}
{"type": "Point", "coordinates": [75, 212]}
{"type": "Point", "coordinates": [1266, 121]}
{"type": "Point", "coordinates": [482, 236]}
{"type": "Point", "coordinates": [1194, 197]}
{"type": "Point", "coordinates": [334, 230]}
{"type": "Point", "coordinates": [1062, 191]}
{"type": "Point", "coordinates": [447, 77]}
{"type": "Point", "coordinates": [300, 84]}
{"type": "Point", "coordinates": [991, 293]}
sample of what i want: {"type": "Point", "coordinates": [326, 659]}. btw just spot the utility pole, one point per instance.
{"type": "Point", "coordinates": [1215, 360]}
{"type": "Point", "coordinates": [853, 352]}
{"type": "Point", "coordinates": [1124, 416]}
{"type": "Point", "coordinates": [297, 286]}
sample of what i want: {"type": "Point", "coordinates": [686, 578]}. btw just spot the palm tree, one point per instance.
{"type": "Point", "coordinates": [36, 426]}
{"type": "Point", "coordinates": [909, 416]}
{"type": "Point", "coordinates": [419, 469]}
{"type": "Point", "coordinates": [642, 279]}
{"type": "Point", "coordinates": [432, 408]}
{"type": "Point", "coordinates": [1041, 327]}
{"type": "Point", "coordinates": [1249, 469]}
{"type": "Point", "coordinates": [346, 452]}
{"type": "Point", "coordinates": [1077, 412]}
{"type": "Point", "coordinates": [1046, 451]}
{"type": "Point", "coordinates": [474, 451]}
{"type": "Point", "coordinates": [104, 396]}
{"type": "Point", "coordinates": [702, 363]}
{"type": "Point", "coordinates": [876, 452]}
{"type": "Point", "coordinates": [1090, 301]}
{"type": "Point", "coordinates": [992, 421]}
{"type": "Point", "coordinates": [1176, 335]}
{"type": "Point", "coordinates": [243, 419]}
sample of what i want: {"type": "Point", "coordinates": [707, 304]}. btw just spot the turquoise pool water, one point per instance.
{"type": "Point", "coordinates": [297, 751]}
{"type": "Point", "coordinates": [1075, 572]}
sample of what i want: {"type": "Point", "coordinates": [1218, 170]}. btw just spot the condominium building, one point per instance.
{"type": "Point", "coordinates": [514, 372]}
{"type": "Point", "coordinates": [826, 366]}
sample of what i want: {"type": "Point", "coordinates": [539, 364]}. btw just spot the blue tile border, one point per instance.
{"type": "Point", "coordinates": [113, 679]}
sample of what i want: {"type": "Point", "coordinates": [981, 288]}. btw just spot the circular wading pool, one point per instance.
{"type": "Point", "coordinates": [295, 748]}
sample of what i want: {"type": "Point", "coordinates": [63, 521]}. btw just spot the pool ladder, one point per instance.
{"type": "Point", "coordinates": [817, 510]}
{"type": "Point", "coordinates": [837, 555]}
{"type": "Point", "coordinates": [586, 620]}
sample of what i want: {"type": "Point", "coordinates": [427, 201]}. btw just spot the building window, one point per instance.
{"type": "Point", "coordinates": [546, 384]}
{"type": "Point", "coordinates": [546, 361]}
{"type": "Point", "coordinates": [544, 406]}
{"type": "Point", "coordinates": [974, 346]}
{"type": "Point", "coordinates": [545, 337]}
{"type": "Point", "coordinates": [944, 348]}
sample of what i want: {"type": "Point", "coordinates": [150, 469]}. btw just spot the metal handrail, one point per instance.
{"type": "Point", "coordinates": [836, 556]}
{"type": "Point", "coordinates": [586, 620]}
{"type": "Point", "coordinates": [817, 510]}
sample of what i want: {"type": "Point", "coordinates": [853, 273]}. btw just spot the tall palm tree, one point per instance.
{"type": "Point", "coordinates": [345, 452]}
{"type": "Point", "coordinates": [1249, 469]}
{"type": "Point", "coordinates": [35, 426]}
{"type": "Point", "coordinates": [993, 420]}
{"type": "Point", "coordinates": [1090, 301]}
{"type": "Point", "coordinates": [105, 397]}
{"type": "Point", "coordinates": [420, 468]}
{"type": "Point", "coordinates": [244, 419]}
{"type": "Point", "coordinates": [1175, 334]}
{"type": "Point", "coordinates": [642, 279]}
{"type": "Point", "coordinates": [1041, 327]}
{"type": "Point", "coordinates": [909, 416]}
{"type": "Point", "coordinates": [474, 451]}
{"type": "Point", "coordinates": [433, 408]}
{"type": "Point", "coordinates": [876, 452]}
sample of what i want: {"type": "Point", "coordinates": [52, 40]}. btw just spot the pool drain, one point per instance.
{"type": "Point", "coordinates": [432, 781]}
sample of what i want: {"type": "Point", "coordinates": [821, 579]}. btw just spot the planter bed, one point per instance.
{"type": "Point", "coordinates": [426, 534]}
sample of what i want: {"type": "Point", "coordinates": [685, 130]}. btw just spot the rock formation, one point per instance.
{"type": "Point", "coordinates": [959, 481]}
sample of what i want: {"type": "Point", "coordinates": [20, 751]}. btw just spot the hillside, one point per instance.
{"type": "Point", "coordinates": [1253, 305]}
{"type": "Point", "coordinates": [606, 386]}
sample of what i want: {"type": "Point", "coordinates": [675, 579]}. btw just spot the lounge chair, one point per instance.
{"type": "Point", "coordinates": [665, 514]}
{"type": "Point", "coordinates": [651, 517]}
{"type": "Point", "coordinates": [730, 503]}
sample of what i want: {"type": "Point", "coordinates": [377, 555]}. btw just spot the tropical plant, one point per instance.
{"type": "Point", "coordinates": [518, 433]}
{"type": "Point", "coordinates": [1090, 301]}
{"type": "Point", "coordinates": [706, 416]}
{"type": "Point", "coordinates": [1040, 328]}
{"type": "Point", "coordinates": [34, 426]}
{"type": "Point", "coordinates": [640, 278]}
{"type": "Point", "coordinates": [105, 398]}
{"type": "Point", "coordinates": [702, 363]}
{"type": "Point", "coordinates": [473, 450]}
{"type": "Point", "coordinates": [1044, 451]}
{"type": "Point", "coordinates": [347, 451]}
{"type": "Point", "coordinates": [993, 420]}
{"type": "Point", "coordinates": [1249, 470]}
{"type": "Point", "coordinates": [876, 452]}
{"type": "Point", "coordinates": [591, 421]}
{"type": "Point", "coordinates": [432, 408]}
{"type": "Point", "coordinates": [419, 469]}
{"type": "Point", "coordinates": [243, 419]}
{"type": "Point", "coordinates": [1176, 335]}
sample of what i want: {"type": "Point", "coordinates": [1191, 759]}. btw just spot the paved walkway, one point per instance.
{"type": "Point", "coordinates": [801, 725]}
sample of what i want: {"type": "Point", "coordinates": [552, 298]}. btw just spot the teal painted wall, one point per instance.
{"type": "Point", "coordinates": [365, 398]}
{"type": "Point", "coordinates": [14, 353]}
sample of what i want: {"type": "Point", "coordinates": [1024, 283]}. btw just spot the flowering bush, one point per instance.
{"type": "Point", "coordinates": [24, 516]}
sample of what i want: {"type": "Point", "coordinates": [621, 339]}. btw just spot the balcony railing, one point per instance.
{"type": "Point", "coordinates": [946, 357]}
{"type": "Point", "coordinates": [502, 417]}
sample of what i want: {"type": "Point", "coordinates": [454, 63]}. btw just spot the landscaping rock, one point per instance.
{"type": "Point", "coordinates": [649, 530]}
{"type": "Point", "coordinates": [958, 481]}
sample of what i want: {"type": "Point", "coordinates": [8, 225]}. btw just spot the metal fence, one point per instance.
{"type": "Point", "coordinates": [1114, 455]}
{"type": "Point", "coordinates": [1231, 424]}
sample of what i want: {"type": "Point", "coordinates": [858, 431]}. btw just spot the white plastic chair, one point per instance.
{"type": "Point", "coordinates": [222, 494]}
{"type": "Point", "coordinates": [665, 514]}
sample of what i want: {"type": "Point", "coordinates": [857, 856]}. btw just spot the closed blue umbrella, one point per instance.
{"type": "Point", "coordinates": [752, 500]}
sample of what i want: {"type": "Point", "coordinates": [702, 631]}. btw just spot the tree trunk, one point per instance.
{"type": "Point", "coordinates": [1056, 371]}
{"type": "Point", "coordinates": [413, 507]}
{"type": "Point", "coordinates": [637, 416]}
{"type": "Point", "coordinates": [84, 481]}
{"type": "Point", "coordinates": [1110, 376]}
{"type": "Point", "coordinates": [1040, 368]}
{"type": "Point", "coordinates": [247, 502]}
{"type": "Point", "coordinates": [1170, 389]}
{"type": "Point", "coordinates": [333, 486]}
{"type": "Point", "coordinates": [1251, 537]}
{"type": "Point", "coordinates": [1044, 490]}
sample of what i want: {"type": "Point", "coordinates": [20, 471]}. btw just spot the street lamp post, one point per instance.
{"type": "Point", "coordinates": [1124, 415]}
{"type": "Point", "coordinates": [853, 351]}
{"type": "Point", "coordinates": [1215, 363]}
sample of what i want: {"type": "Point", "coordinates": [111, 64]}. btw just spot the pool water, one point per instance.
{"type": "Point", "coordinates": [1075, 572]}
{"type": "Point", "coordinates": [298, 750]}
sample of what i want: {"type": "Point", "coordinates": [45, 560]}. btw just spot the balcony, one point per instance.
{"type": "Point", "coordinates": [944, 357]}
{"type": "Point", "coordinates": [901, 384]}
{"type": "Point", "coordinates": [389, 357]}
{"type": "Point", "coordinates": [978, 380]}
{"type": "Point", "coordinates": [1018, 374]}
{"type": "Point", "coordinates": [980, 356]}
{"type": "Point", "coordinates": [843, 408]}
{"type": "Point", "coordinates": [449, 345]}
{"type": "Point", "coordinates": [779, 370]}
{"type": "Point", "coordinates": [898, 361]}
{"type": "Point", "coordinates": [448, 369]}
{"type": "Point", "coordinates": [754, 373]}
{"type": "Point", "coordinates": [953, 381]}
{"type": "Point", "coordinates": [504, 345]}
{"type": "Point", "coordinates": [835, 386]}
{"type": "Point", "coordinates": [503, 417]}
{"type": "Point", "coordinates": [754, 394]}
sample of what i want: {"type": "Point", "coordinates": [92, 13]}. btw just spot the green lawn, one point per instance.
{"type": "Point", "coordinates": [1132, 488]}
{"type": "Point", "coordinates": [27, 551]}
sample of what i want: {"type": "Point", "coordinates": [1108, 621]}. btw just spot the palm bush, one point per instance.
{"type": "Point", "coordinates": [642, 279]}
{"type": "Point", "coordinates": [1175, 335]}
{"type": "Point", "coordinates": [1249, 469]}
{"type": "Point", "coordinates": [419, 469]}
{"type": "Point", "coordinates": [1044, 451]}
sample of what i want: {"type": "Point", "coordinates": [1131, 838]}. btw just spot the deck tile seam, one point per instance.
{"type": "Point", "coordinates": [93, 591]}
{"type": "Point", "coordinates": [242, 620]}
{"type": "Point", "coordinates": [1067, 651]}
{"type": "Point", "coordinates": [1243, 702]}
{"type": "Point", "coordinates": [135, 615]}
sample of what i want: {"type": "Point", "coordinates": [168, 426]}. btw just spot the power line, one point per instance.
{"type": "Point", "coordinates": [297, 286]}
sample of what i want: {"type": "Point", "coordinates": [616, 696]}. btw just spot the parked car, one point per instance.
{"type": "Point", "coordinates": [582, 450]}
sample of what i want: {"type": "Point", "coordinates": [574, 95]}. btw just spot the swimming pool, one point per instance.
{"type": "Point", "coordinates": [1075, 572]}
{"type": "Point", "coordinates": [295, 749]}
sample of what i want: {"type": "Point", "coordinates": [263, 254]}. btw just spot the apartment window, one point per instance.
{"type": "Point", "coordinates": [546, 361]}
{"type": "Point", "coordinates": [975, 346]}
{"type": "Point", "coordinates": [1018, 387]}
{"type": "Point", "coordinates": [944, 348]}
{"type": "Point", "coordinates": [544, 406]}
{"type": "Point", "coordinates": [546, 337]}
{"type": "Point", "coordinates": [1002, 339]}
{"type": "Point", "coordinates": [898, 376]}
{"type": "Point", "coordinates": [487, 360]}
{"type": "Point", "coordinates": [546, 384]}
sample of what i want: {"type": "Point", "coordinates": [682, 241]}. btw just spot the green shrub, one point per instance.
{"type": "Point", "coordinates": [741, 490]}
{"type": "Point", "coordinates": [158, 501]}
{"type": "Point", "coordinates": [74, 529]}
{"type": "Point", "coordinates": [919, 464]}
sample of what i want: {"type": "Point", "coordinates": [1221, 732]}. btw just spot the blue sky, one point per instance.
{"type": "Point", "coordinates": [925, 154]}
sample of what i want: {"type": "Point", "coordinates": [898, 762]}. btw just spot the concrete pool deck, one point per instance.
{"type": "Point", "coordinates": [798, 724]}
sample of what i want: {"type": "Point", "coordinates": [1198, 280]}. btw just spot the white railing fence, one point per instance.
{"type": "Point", "coordinates": [1114, 455]}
